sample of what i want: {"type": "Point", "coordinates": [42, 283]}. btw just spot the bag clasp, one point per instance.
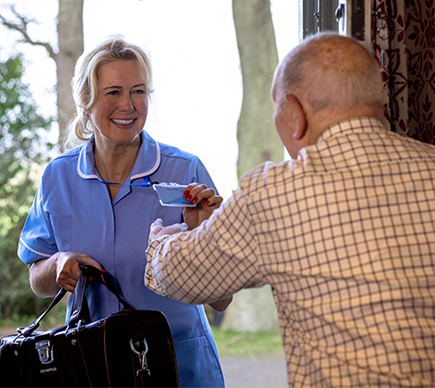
{"type": "Point", "coordinates": [45, 351]}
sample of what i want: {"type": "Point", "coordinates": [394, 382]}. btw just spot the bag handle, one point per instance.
{"type": "Point", "coordinates": [27, 331]}
{"type": "Point", "coordinates": [107, 280]}
{"type": "Point", "coordinates": [79, 309]}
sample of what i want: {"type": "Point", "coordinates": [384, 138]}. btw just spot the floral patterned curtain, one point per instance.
{"type": "Point", "coordinates": [403, 36]}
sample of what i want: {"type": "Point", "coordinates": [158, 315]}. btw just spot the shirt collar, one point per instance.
{"type": "Point", "coordinates": [147, 160]}
{"type": "Point", "coordinates": [359, 124]}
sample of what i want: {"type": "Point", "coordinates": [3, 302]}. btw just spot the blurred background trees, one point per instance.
{"type": "Point", "coordinates": [252, 310]}
{"type": "Point", "coordinates": [70, 47]}
{"type": "Point", "coordinates": [257, 138]}
{"type": "Point", "coordinates": [23, 149]}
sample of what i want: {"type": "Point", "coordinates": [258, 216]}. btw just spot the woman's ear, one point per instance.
{"type": "Point", "coordinates": [300, 116]}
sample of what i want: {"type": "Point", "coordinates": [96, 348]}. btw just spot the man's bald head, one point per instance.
{"type": "Point", "coordinates": [331, 72]}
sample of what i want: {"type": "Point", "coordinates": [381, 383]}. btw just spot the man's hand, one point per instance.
{"type": "Point", "coordinates": [157, 229]}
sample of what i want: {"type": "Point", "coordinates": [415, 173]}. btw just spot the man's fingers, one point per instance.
{"type": "Point", "coordinates": [175, 228]}
{"type": "Point", "coordinates": [158, 221]}
{"type": "Point", "coordinates": [157, 229]}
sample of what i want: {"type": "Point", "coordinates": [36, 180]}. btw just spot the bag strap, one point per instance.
{"type": "Point", "coordinates": [107, 280]}
{"type": "Point", "coordinates": [27, 331]}
{"type": "Point", "coordinates": [79, 311]}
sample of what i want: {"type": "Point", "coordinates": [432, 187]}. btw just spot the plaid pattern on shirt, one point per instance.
{"type": "Point", "coordinates": [345, 235]}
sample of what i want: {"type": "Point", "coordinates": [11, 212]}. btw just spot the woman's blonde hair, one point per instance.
{"type": "Point", "coordinates": [85, 81]}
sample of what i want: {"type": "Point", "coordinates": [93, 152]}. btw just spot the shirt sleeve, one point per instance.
{"type": "Point", "coordinates": [210, 263]}
{"type": "Point", "coordinates": [37, 239]}
{"type": "Point", "coordinates": [202, 175]}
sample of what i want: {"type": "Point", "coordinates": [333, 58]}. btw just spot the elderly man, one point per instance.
{"type": "Point", "coordinates": [344, 232]}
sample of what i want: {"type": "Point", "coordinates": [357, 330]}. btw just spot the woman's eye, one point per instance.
{"type": "Point", "coordinates": [113, 92]}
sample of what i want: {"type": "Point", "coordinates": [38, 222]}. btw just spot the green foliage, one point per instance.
{"type": "Point", "coordinates": [23, 151]}
{"type": "Point", "coordinates": [232, 342]}
{"type": "Point", "coordinates": [55, 318]}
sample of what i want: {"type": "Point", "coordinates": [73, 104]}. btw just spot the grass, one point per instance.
{"type": "Point", "coordinates": [228, 342]}
{"type": "Point", "coordinates": [234, 343]}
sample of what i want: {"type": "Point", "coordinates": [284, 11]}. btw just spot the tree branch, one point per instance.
{"type": "Point", "coordinates": [21, 27]}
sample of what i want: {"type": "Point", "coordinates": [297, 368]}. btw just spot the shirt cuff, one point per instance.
{"type": "Point", "coordinates": [150, 278]}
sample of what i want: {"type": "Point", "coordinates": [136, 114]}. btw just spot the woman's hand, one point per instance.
{"type": "Point", "coordinates": [60, 270]}
{"type": "Point", "coordinates": [68, 268]}
{"type": "Point", "coordinates": [207, 201]}
{"type": "Point", "coordinates": [221, 305]}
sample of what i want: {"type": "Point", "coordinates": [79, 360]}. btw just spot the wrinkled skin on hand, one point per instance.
{"type": "Point", "coordinates": [68, 268]}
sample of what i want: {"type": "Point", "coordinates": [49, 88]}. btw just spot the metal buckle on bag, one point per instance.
{"type": "Point", "coordinates": [45, 351]}
{"type": "Point", "coordinates": [142, 357]}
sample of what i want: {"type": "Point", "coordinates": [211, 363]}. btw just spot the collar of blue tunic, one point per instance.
{"type": "Point", "coordinates": [147, 161]}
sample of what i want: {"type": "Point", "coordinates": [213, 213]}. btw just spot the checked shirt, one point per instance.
{"type": "Point", "coordinates": [345, 235]}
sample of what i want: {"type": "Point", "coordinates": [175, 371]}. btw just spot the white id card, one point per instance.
{"type": "Point", "coordinates": [171, 194]}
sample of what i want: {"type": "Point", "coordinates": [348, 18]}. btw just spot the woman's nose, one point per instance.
{"type": "Point", "coordinates": [126, 104]}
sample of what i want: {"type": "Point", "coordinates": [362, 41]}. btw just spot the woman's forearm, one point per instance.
{"type": "Point", "coordinates": [60, 270]}
{"type": "Point", "coordinates": [43, 277]}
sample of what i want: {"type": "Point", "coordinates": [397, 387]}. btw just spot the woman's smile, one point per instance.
{"type": "Point", "coordinates": [123, 121]}
{"type": "Point", "coordinates": [121, 108]}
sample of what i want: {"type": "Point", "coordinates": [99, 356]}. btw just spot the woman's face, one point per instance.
{"type": "Point", "coordinates": [120, 110]}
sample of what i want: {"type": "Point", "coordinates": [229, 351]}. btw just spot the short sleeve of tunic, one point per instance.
{"type": "Point", "coordinates": [37, 240]}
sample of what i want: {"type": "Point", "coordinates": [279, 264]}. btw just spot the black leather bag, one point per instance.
{"type": "Point", "coordinates": [130, 348]}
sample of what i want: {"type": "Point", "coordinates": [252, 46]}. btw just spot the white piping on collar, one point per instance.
{"type": "Point", "coordinates": [153, 168]}
{"type": "Point", "coordinates": [143, 174]}
{"type": "Point", "coordinates": [79, 163]}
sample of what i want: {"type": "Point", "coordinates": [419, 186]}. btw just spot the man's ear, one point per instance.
{"type": "Point", "coordinates": [300, 116]}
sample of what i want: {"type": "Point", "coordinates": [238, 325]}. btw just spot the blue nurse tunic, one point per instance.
{"type": "Point", "coordinates": [72, 211]}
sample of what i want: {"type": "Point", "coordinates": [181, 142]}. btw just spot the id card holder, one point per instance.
{"type": "Point", "coordinates": [171, 194]}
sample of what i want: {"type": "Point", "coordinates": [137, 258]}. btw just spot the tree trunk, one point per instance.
{"type": "Point", "coordinates": [256, 133]}
{"type": "Point", "coordinates": [254, 310]}
{"type": "Point", "coordinates": [70, 36]}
